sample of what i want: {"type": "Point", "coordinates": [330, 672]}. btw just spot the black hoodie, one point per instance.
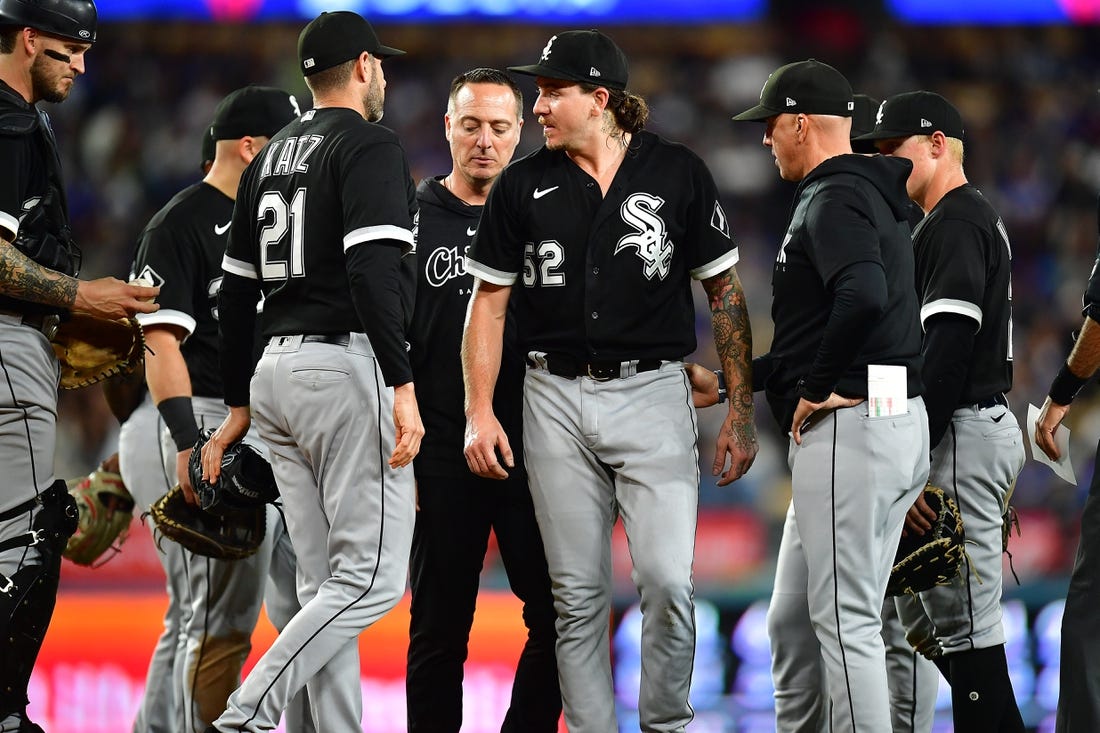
{"type": "Point", "coordinates": [843, 284]}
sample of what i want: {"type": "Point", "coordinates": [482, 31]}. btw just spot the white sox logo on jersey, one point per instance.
{"type": "Point", "coordinates": [640, 211]}
{"type": "Point", "coordinates": [445, 263]}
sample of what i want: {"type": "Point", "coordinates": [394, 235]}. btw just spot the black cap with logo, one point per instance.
{"type": "Point", "coordinates": [585, 56]}
{"type": "Point", "coordinates": [916, 113]}
{"type": "Point", "coordinates": [809, 87]}
{"type": "Point", "coordinates": [253, 111]}
{"type": "Point", "coordinates": [863, 121]}
{"type": "Point", "coordinates": [333, 38]}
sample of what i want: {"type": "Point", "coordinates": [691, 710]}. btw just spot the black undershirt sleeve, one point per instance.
{"type": "Point", "coordinates": [948, 347]}
{"type": "Point", "coordinates": [237, 300]}
{"type": "Point", "coordinates": [859, 299]}
{"type": "Point", "coordinates": [374, 274]}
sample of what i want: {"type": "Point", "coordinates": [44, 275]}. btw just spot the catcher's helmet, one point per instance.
{"type": "Point", "coordinates": [71, 19]}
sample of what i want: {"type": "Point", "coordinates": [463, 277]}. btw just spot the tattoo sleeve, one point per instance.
{"type": "Point", "coordinates": [729, 317]}
{"type": "Point", "coordinates": [24, 279]}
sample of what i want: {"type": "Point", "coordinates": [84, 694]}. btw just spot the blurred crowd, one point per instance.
{"type": "Point", "coordinates": [130, 137]}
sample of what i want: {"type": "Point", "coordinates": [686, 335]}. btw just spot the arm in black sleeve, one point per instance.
{"type": "Point", "coordinates": [948, 347]}
{"type": "Point", "coordinates": [859, 299]}
{"type": "Point", "coordinates": [237, 300]}
{"type": "Point", "coordinates": [762, 368]}
{"type": "Point", "coordinates": [375, 277]}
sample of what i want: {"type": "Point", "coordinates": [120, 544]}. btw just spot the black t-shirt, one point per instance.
{"type": "Point", "coordinates": [964, 267]}
{"type": "Point", "coordinates": [324, 186]}
{"type": "Point", "coordinates": [443, 290]}
{"type": "Point", "coordinates": [33, 208]}
{"type": "Point", "coordinates": [181, 250]}
{"type": "Point", "coordinates": [850, 210]}
{"type": "Point", "coordinates": [605, 278]}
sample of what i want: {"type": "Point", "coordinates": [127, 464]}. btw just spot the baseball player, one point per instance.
{"type": "Point", "coordinates": [963, 267]}
{"type": "Point", "coordinates": [846, 321]}
{"type": "Point", "coordinates": [42, 48]}
{"type": "Point", "coordinates": [914, 680]}
{"type": "Point", "coordinates": [456, 509]}
{"type": "Point", "coordinates": [604, 228]}
{"type": "Point", "coordinates": [322, 219]}
{"type": "Point", "coordinates": [1079, 676]}
{"type": "Point", "coordinates": [213, 604]}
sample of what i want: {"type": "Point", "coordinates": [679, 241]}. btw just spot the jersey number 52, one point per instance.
{"type": "Point", "coordinates": [542, 264]}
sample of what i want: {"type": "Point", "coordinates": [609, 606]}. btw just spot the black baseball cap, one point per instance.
{"type": "Point", "coordinates": [916, 113]}
{"type": "Point", "coordinates": [863, 121]}
{"type": "Point", "coordinates": [208, 148]}
{"type": "Point", "coordinates": [585, 56]}
{"type": "Point", "coordinates": [810, 87]}
{"type": "Point", "coordinates": [253, 110]}
{"type": "Point", "coordinates": [333, 38]}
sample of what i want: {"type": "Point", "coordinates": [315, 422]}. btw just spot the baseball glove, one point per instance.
{"type": "Point", "coordinates": [246, 480]}
{"type": "Point", "coordinates": [933, 558]}
{"type": "Point", "coordinates": [106, 509]}
{"type": "Point", "coordinates": [232, 534]}
{"type": "Point", "coordinates": [91, 349]}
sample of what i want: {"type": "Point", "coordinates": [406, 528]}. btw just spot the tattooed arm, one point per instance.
{"type": "Point", "coordinates": [24, 279]}
{"type": "Point", "coordinates": [733, 340]}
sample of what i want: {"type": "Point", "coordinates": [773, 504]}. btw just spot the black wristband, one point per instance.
{"type": "Point", "coordinates": [722, 394]}
{"type": "Point", "coordinates": [180, 419]}
{"type": "Point", "coordinates": [1066, 386]}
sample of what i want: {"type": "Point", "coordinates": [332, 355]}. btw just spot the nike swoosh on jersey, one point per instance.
{"type": "Point", "coordinates": [220, 230]}
{"type": "Point", "coordinates": [538, 194]}
{"type": "Point", "coordinates": [471, 231]}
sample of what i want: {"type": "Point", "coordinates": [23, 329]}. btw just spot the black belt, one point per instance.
{"type": "Point", "coordinates": [46, 323]}
{"type": "Point", "coordinates": [336, 339]}
{"type": "Point", "coordinates": [601, 371]}
{"type": "Point", "coordinates": [992, 401]}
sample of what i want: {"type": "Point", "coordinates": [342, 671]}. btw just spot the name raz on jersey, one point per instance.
{"type": "Point", "coordinates": [289, 155]}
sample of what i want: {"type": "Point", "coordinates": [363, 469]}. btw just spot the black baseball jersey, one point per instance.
{"type": "Point", "coordinates": [33, 208]}
{"type": "Point", "coordinates": [1090, 302]}
{"type": "Point", "coordinates": [964, 267]}
{"type": "Point", "coordinates": [851, 209]}
{"type": "Point", "coordinates": [605, 277]}
{"type": "Point", "coordinates": [325, 185]}
{"type": "Point", "coordinates": [181, 250]}
{"type": "Point", "coordinates": [443, 289]}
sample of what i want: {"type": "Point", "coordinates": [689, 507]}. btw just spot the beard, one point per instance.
{"type": "Point", "coordinates": [375, 99]}
{"type": "Point", "coordinates": [45, 86]}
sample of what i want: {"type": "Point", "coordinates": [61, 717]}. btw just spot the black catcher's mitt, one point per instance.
{"type": "Point", "coordinates": [230, 535]}
{"type": "Point", "coordinates": [246, 480]}
{"type": "Point", "coordinates": [933, 558]}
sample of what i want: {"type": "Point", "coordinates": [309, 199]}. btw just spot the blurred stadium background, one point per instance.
{"type": "Point", "coordinates": [1023, 73]}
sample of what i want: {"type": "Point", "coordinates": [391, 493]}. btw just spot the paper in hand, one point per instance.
{"type": "Point", "coordinates": [1063, 468]}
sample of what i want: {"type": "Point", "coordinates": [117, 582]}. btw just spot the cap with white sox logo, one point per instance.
{"type": "Point", "coordinates": [585, 56]}
{"type": "Point", "coordinates": [335, 37]}
{"type": "Point", "coordinates": [809, 87]}
{"type": "Point", "coordinates": [915, 113]}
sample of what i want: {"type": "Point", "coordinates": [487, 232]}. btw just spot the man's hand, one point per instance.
{"type": "Point", "coordinates": [736, 439]}
{"type": "Point", "coordinates": [183, 476]}
{"type": "Point", "coordinates": [805, 410]}
{"type": "Point", "coordinates": [1046, 426]}
{"type": "Point", "coordinates": [407, 426]}
{"type": "Point", "coordinates": [484, 435]}
{"type": "Point", "coordinates": [919, 518]}
{"type": "Point", "coordinates": [704, 385]}
{"type": "Point", "coordinates": [232, 429]}
{"type": "Point", "coordinates": [109, 297]}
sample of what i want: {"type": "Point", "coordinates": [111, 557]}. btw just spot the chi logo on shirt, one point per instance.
{"type": "Point", "coordinates": [640, 211]}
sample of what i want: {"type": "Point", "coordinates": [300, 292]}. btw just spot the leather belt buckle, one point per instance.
{"type": "Point", "coordinates": [50, 325]}
{"type": "Point", "coordinates": [601, 374]}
